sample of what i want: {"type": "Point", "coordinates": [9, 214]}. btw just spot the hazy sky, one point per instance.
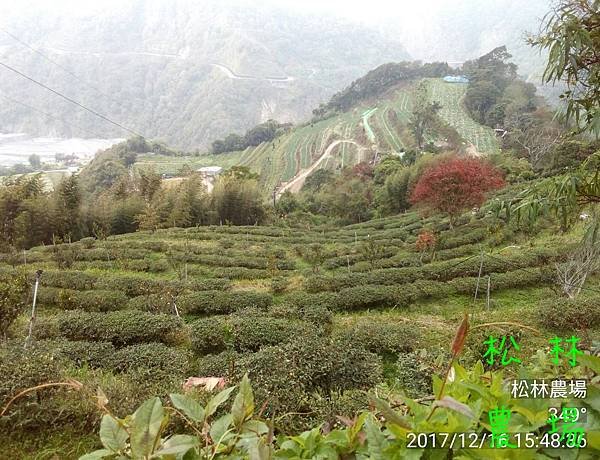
{"type": "Point", "coordinates": [371, 11]}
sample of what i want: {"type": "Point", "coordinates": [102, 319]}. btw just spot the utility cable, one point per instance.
{"type": "Point", "coordinates": [35, 109]}
{"type": "Point", "coordinates": [72, 101]}
{"type": "Point", "coordinates": [60, 66]}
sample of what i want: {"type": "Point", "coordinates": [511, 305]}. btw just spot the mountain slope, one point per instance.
{"type": "Point", "coordinates": [180, 71]}
{"type": "Point", "coordinates": [375, 126]}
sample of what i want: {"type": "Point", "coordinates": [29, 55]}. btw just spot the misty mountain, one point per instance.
{"type": "Point", "coordinates": [463, 30]}
{"type": "Point", "coordinates": [190, 72]}
{"type": "Point", "coordinates": [183, 71]}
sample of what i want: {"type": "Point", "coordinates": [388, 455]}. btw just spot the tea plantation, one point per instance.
{"type": "Point", "coordinates": [316, 317]}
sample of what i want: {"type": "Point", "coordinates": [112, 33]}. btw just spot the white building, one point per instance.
{"type": "Point", "coordinates": [209, 174]}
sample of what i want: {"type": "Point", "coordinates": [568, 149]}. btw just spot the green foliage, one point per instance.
{"type": "Point", "coordinates": [285, 375]}
{"type": "Point", "coordinates": [13, 299]}
{"type": "Point", "coordinates": [381, 336]}
{"type": "Point", "coordinates": [238, 201]}
{"type": "Point", "coordinates": [96, 300]}
{"type": "Point", "coordinates": [382, 432]}
{"type": "Point", "coordinates": [378, 81]}
{"type": "Point", "coordinates": [251, 331]}
{"type": "Point", "coordinates": [569, 34]}
{"type": "Point", "coordinates": [125, 327]}
{"type": "Point", "coordinates": [215, 302]}
{"type": "Point", "coordinates": [424, 115]}
{"type": "Point", "coordinates": [494, 93]}
{"type": "Point", "coordinates": [264, 132]}
{"type": "Point", "coordinates": [22, 368]}
{"type": "Point", "coordinates": [210, 335]}
{"type": "Point", "coordinates": [152, 361]}
{"type": "Point", "coordinates": [562, 314]}
{"type": "Point", "coordinates": [561, 197]}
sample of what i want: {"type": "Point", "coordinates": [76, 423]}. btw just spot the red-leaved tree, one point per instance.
{"type": "Point", "coordinates": [456, 184]}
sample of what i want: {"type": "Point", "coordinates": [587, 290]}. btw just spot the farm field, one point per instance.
{"type": "Point", "coordinates": [315, 316]}
{"type": "Point", "coordinates": [450, 95]}
{"type": "Point", "coordinates": [383, 124]}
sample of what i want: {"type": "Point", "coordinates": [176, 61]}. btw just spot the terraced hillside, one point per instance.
{"type": "Point", "coordinates": [377, 127]}
{"type": "Point", "coordinates": [220, 301]}
{"type": "Point", "coordinates": [454, 113]}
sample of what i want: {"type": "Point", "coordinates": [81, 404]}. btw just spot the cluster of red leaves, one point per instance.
{"type": "Point", "coordinates": [426, 240]}
{"type": "Point", "coordinates": [456, 184]}
{"type": "Point", "coordinates": [363, 171]}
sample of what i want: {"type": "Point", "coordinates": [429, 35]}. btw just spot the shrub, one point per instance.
{"type": "Point", "coordinates": [562, 314]}
{"type": "Point", "coordinates": [285, 376]}
{"type": "Point", "coordinates": [125, 327]}
{"type": "Point", "coordinates": [363, 297]}
{"type": "Point", "coordinates": [13, 298]}
{"type": "Point", "coordinates": [153, 303]}
{"type": "Point", "coordinates": [154, 361]}
{"type": "Point", "coordinates": [210, 335]}
{"type": "Point", "coordinates": [241, 273]}
{"type": "Point", "coordinates": [279, 284]}
{"type": "Point", "coordinates": [92, 354]}
{"type": "Point", "coordinates": [414, 375]}
{"type": "Point", "coordinates": [88, 242]}
{"type": "Point", "coordinates": [99, 300]}
{"type": "Point", "coordinates": [301, 300]}
{"type": "Point", "coordinates": [251, 332]}
{"type": "Point", "coordinates": [22, 368]}
{"type": "Point", "coordinates": [70, 279]}
{"type": "Point", "coordinates": [381, 336]}
{"type": "Point", "coordinates": [134, 286]}
{"type": "Point", "coordinates": [214, 302]}
{"type": "Point", "coordinates": [219, 365]}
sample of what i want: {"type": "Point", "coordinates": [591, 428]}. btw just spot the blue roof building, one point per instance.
{"type": "Point", "coordinates": [456, 79]}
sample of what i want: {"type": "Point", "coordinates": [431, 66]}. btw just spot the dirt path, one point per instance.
{"type": "Point", "coordinates": [296, 183]}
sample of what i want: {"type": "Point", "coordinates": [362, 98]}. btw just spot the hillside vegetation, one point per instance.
{"type": "Point", "coordinates": [440, 286]}
{"type": "Point", "coordinates": [138, 313]}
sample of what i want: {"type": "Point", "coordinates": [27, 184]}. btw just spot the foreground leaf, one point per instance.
{"type": "Point", "coordinates": [188, 406]}
{"type": "Point", "coordinates": [112, 435]}
{"type": "Point", "coordinates": [178, 444]}
{"type": "Point", "coordinates": [146, 424]}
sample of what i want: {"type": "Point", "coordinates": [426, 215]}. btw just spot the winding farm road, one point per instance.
{"type": "Point", "coordinates": [298, 181]}
{"type": "Point", "coordinates": [234, 76]}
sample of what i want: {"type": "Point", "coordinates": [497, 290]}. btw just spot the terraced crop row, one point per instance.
{"type": "Point", "coordinates": [450, 96]}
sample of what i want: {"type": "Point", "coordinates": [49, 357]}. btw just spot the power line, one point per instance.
{"type": "Point", "coordinates": [60, 66]}
{"type": "Point", "coordinates": [5, 96]}
{"type": "Point", "coordinates": [67, 98]}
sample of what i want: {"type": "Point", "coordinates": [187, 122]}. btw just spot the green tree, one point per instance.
{"type": "Point", "coordinates": [35, 161]}
{"type": "Point", "coordinates": [68, 207]}
{"type": "Point", "coordinates": [570, 34]}
{"type": "Point", "coordinates": [238, 201]}
{"type": "Point", "coordinates": [424, 115]}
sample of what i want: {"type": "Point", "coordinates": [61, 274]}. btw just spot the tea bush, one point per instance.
{"type": "Point", "coordinates": [215, 302]}
{"type": "Point", "coordinates": [381, 336]}
{"type": "Point", "coordinates": [13, 299]}
{"type": "Point", "coordinates": [285, 376]}
{"type": "Point", "coordinates": [98, 300]}
{"type": "Point", "coordinates": [210, 335]}
{"type": "Point", "coordinates": [81, 352]}
{"type": "Point", "coordinates": [152, 361]}
{"type": "Point", "coordinates": [124, 327]}
{"type": "Point", "coordinates": [252, 332]}
{"type": "Point", "coordinates": [22, 368]}
{"type": "Point", "coordinates": [69, 279]}
{"type": "Point", "coordinates": [562, 314]}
